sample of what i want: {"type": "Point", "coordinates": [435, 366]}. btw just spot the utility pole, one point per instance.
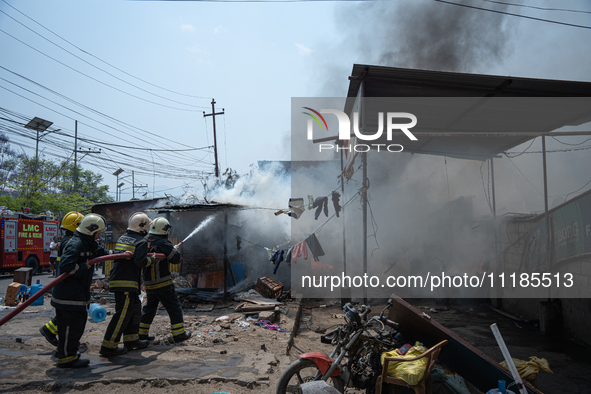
{"type": "Point", "coordinates": [76, 151]}
{"type": "Point", "coordinates": [215, 145]}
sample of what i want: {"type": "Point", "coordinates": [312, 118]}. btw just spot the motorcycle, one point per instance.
{"type": "Point", "coordinates": [359, 346]}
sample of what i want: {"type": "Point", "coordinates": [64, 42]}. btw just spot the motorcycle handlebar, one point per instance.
{"type": "Point", "coordinates": [389, 322]}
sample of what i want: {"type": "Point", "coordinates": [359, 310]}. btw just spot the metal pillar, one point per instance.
{"type": "Point", "coordinates": [546, 203]}
{"type": "Point", "coordinates": [364, 198]}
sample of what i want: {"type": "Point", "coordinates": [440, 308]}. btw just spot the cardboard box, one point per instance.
{"type": "Point", "coordinates": [11, 293]}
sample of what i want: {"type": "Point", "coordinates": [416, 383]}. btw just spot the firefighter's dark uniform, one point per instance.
{"type": "Point", "coordinates": [49, 330]}
{"type": "Point", "coordinates": [71, 296]}
{"type": "Point", "coordinates": [124, 281]}
{"type": "Point", "coordinates": [159, 288]}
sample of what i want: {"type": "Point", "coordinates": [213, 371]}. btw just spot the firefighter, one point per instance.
{"type": "Point", "coordinates": [158, 283]}
{"type": "Point", "coordinates": [69, 224]}
{"type": "Point", "coordinates": [71, 296]}
{"type": "Point", "coordinates": [125, 281]}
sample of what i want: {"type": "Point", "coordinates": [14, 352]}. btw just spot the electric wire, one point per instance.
{"type": "Point", "coordinates": [76, 112]}
{"type": "Point", "coordinates": [101, 60]}
{"type": "Point", "coordinates": [511, 14]}
{"type": "Point", "coordinates": [97, 80]}
{"type": "Point", "coordinates": [538, 8]}
{"type": "Point", "coordinates": [98, 68]}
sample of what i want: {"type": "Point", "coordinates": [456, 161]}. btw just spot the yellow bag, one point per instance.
{"type": "Point", "coordinates": [528, 370]}
{"type": "Point", "coordinates": [410, 371]}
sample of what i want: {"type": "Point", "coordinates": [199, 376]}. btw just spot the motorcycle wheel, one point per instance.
{"type": "Point", "coordinates": [302, 371]}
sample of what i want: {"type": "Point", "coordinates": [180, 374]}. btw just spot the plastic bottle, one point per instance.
{"type": "Point", "coordinates": [34, 289]}
{"type": "Point", "coordinates": [502, 389]}
{"type": "Point", "coordinates": [97, 313]}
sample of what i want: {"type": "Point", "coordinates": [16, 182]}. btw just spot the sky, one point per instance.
{"type": "Point", "coordinates": [137, 76]}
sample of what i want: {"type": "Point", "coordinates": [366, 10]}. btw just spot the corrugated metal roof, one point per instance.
{"type": "Point", "coordinates": [518, 124]}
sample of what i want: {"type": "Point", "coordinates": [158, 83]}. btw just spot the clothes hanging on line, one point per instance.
{"type": "Point", "coordinates": [299, 249]}
{"type": "Point", "coordinates": [296, 205]}
{"type": "Point", "coordinates": [277, 258]}
{"type": "Point", "coordinates": [314, 246]}
{"type": "Point", "coordinates": [320, 203]}
{"type": "Point", "coordinates": [269, 252]}
{"type": "Point", "coordinates": [310, 202]}
{"type": "Point", "coordinates": [335, 202]}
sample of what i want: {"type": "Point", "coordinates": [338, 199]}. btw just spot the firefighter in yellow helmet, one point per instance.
{"type": "Point", "coordinates": [71, 297]}
{"type": "Point", "coordinates": [70, 222]}
{"type": "Point", "coordinates": [159, 286]}
{"type": "Point", "coordinates": [124, 281]}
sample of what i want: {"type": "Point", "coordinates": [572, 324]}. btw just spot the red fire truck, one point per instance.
{"type": "Point", "coordinates": [25, 241]}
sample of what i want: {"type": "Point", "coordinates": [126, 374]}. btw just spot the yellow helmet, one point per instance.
{"type": "Point", "coordinates": [71, 220]}
{"type": "Point", "coordinates": [139, 222]}
{"type": "Point", "coordinates": [160, 226]}
{"type": "Point", "coordinates": [91, 224]}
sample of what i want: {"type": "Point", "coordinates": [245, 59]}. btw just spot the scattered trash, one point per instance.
{"type": "Point", "coordinates": [264, 347]}
{"type": "Point", "coordinates": [269, 326]}
{"type": "Point", "coordinates": [19, 340]}
{"type": "Point", "coordinates": [242, 323]}
{"type": "Point", "coordinates": [337, 316]}
{"type": "Point", "coordinates": [223, 352]}
{"type": "Point", "coordinates": [204, 307]}
{"type": "Point", "coordinates": [426, 316]}
{"type": "Point", "coordinates": [223, 318]}
{"type": "Point", "coordinates": [282, 310]}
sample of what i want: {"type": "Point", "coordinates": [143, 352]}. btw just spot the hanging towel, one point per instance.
{"type": "Point", "coordinates": [319, 203]}
{"type": "Point", "coordinates": [288, 255]}
{"type": "Point", "coordinates": [314, 246]}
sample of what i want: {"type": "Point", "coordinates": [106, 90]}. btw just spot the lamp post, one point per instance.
{"type": "Point", "coordinates": [119, 187]}
{"type": "Point", "coordinates": [116, 173]}
{"type": "Point", "coordinates": [40, 125]}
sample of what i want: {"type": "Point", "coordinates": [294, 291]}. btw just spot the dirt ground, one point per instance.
{"type": "Point", "coordinates": [240, 361]}
{"type": "Point", "coordinates": [217, 358]}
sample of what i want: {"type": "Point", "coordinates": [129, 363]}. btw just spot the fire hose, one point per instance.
{"type": "Point", "coordinates": [63, 276]}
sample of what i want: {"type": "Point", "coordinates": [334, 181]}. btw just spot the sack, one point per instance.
{"type": "Point", "coordinates": [412, 372]}
{"type": "Point", "coordinates": [528, 370]}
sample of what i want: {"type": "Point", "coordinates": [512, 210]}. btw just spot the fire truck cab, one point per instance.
{"type": "Point", "coordinates": [25, 240]}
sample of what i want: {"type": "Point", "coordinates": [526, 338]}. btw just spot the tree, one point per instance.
{"type": "Point", "coordinates": [44, 185]}
{"type": "Point", "coordinates": [8, 159]}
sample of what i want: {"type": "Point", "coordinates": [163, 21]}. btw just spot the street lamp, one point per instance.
{"type": "Point", "coordinates": [116, 173]}
{"type": "Point", "coordinates": [40, 125]}
{"type": "Point", "coordinates": [119, 187]}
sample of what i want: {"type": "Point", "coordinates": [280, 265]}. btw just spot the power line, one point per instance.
{"type": "Point", "coordinates": [88, 108]}
{"type": "Point", "coordinates": [99, 59]}
{"type": "Point", "coordinates": [98, 68]}
{"type": "Point", "coordinates": [511, 14]}
{"type": "Point", "coordinates": [96, 80]}
{"type": "Point", "coordinates": [537, 8]}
